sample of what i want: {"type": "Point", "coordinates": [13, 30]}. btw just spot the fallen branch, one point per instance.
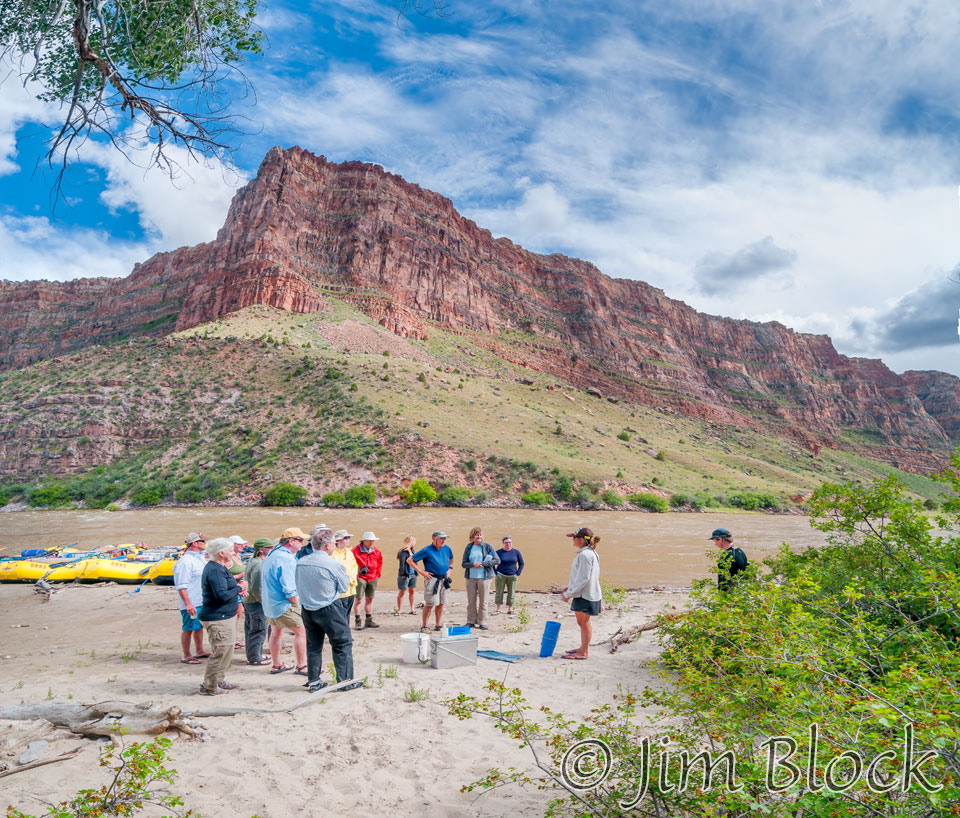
{"type": "Point", "coordinates": [33, 764]}
{"type": "Point", "coordinates": [234, 711]}
{"type": "Point", "coordinates": [622, 637]}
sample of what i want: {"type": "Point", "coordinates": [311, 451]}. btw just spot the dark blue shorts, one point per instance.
{"type": "Point", "coordinates": [406, 582]}
{"type": "Point", "coordinates": [586, 606]}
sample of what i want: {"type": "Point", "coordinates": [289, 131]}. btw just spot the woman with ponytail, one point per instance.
{"type": "Point", "coordinates": [583, 588]}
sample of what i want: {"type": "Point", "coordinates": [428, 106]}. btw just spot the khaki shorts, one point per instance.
{"type": "Point", "coordinates": [290, 618]}
{"type": "Point", "coordinates": [366, 589]}
{"type": "Point", "coordinates": [434, 593]}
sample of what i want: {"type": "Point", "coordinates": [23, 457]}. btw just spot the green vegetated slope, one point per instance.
{"type": "Point", "coordinates": [332, 400]}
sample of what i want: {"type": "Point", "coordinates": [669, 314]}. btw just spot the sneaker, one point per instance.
{"type": "Point", "coordinates": [315, 686]}
{"type": "Point", "coordinates": [352, 685]}
{"type": "Point", "coordinates": [484, 627]}
{"type": "Point", "coordinates": [228, 686]}
{"type": "Point", "coordinates": [205, 692]}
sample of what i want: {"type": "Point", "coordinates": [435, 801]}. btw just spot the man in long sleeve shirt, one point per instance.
{"type": "Point", "coordinates": [281, 605]}
{"type": "Point", "coordinates": [254, 621]}
{"type": "Point", "coordinates": [320, 581]}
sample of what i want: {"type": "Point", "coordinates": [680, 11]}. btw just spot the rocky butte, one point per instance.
{"type": "Point", "coordinates": [305, 229]}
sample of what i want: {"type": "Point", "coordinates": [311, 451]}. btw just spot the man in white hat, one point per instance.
{"type": "Point", "coordinates": [369, 568]}
{"type": "Point", "coordinates": [187, 574]}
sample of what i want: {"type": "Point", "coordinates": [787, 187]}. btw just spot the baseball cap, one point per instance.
{"type": "Point", "coordinates": [193, 537]}
{"type": "Point", "coordinates": [585, 533]}
{"type": "Point", "coordinates": [260, 543]}
{"type": "Point", "coordinates": [441, 534]}
{"type": "Point", "coordinates": [236, 539]}
{"type": "Point", "coordinates": [721, 534]}
{"type": "Point", "coordinates": [293, 534]}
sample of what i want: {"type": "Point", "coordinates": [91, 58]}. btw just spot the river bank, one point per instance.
{"type": "Point", "coordinates": [368, 750]}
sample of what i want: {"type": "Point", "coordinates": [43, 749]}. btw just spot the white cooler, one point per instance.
{"type": "Point", "coordinates": [453, 651]}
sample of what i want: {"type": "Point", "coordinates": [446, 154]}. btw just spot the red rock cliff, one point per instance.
{"type": "Point", "coordinates": [406, 257]}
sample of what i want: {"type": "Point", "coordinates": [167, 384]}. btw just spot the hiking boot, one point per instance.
{"type": "Point", "coordinates": [369, 623]}
{"type": "Point", "coordinates": [203, 691]}
{"type": "Point", "coordinates": [228, 686]}
{"type": "Point", "coordinates": [351, 686]}
{"type": "Point", "coordinates": [356, 623]}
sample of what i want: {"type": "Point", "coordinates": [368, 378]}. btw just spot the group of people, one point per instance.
{"type": "Point", "coordinates": [310, 585]}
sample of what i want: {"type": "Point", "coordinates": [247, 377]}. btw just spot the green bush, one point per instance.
{"type": "Point", "coordinates": [562, 487]}
{"type": "Point", "coordinates": [660, 456]}
{"type": "Point", "coordinates": [359, 496]}
{"type": "Point", "coordinates": [651, 502]}
{"type": "Point", "coordinates": [51, 494]}
{"type": "Point", "coordinates": [285, 494]}
{"type": "Point", "coordinates": [612, 498]}
{"type": "Point", "coordinates": [538, 498]}
{"type": "Point", "coordinates": [334, 499]}
{"type": "Point", "coordinates": [679, 500]}
{"type": "Point", "coordinates": [752, 501]}
{"type": "Point", "coordinates": [147, 496]}
{"type": "Point", "coordinates": [418, 492]}
{"type": "Point", "coordinates": [454, 496]}
{"type": "Point", "coordinates": [624, 436]}
{"type": "Point", "coordinates": [703, 499]}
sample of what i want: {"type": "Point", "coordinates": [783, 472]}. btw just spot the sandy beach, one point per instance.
{"type": "Point", "coordinates": [362, 752]}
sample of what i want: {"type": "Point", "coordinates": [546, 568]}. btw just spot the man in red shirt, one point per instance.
{"type": "Point", "coordinates": [369, 567]}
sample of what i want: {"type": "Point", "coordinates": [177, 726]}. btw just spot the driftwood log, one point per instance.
{"type": "Point", "coordinates": [112, 717]}
{"type": "Point", "coordinates": [622, 637]}
{"type": "Point", "coordinates": [44, 762]}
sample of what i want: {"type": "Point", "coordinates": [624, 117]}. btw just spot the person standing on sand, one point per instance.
{"type": "Point", "coordinates": [583, 588]}
{"type": "Point", "coordinates": [479, 563]}
{"type": "Point", "coordinates": [344, 555]}
{"type": "Point", "coordinates": [438, 564]}
{"type": "Point", "coordinates": [218, 613]}
{"type": "Point", "coordinates": [508, 571]}
{"type": "Point", "coordinates": [732, 560]}
{"type": "Point", "coordinates": [320, 581]}
{"type": "Point", "coordinates": [187, 574]}
{"type": "Point", "coordinates": [406, 575]}
{"type": "Point", "coordinates": [236, 571]}
{"type": "Point", "coordinates": [369, 568]}
{"type": "Point", "coordinates": [281, 605]}
{"type": "Point", "coordinates": [254, 622]}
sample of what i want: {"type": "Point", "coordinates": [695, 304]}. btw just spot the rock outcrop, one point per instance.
{"type": "Point", "coordinates": [305, 227]}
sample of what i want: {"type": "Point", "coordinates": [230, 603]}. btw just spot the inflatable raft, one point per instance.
{"type": "Point", "coordinates": [125, 564]}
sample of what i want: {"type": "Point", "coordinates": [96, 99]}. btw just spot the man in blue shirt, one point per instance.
{"type": "Point", "coordinates": [281, 605]}
{"type": "Point", "coordinates": [320, 581]}
{"type": "Point", "coordinates": [437, 567]}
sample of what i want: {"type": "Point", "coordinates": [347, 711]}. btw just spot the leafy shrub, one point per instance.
{"type": "Point", "coordinates": [285, 494]}
{"type": "Point", "coordinates": [562, 487]}
{"type": "Point", "coordinates": [418, 492]}
{"type": "Point", "coordinates": [612, 498]}
{"type": "Point", "coordinates": [334, 499]}
{"type": "Point", "coordinates": [51, 494]}
{"type": "Point", "coordinates": [703, 499]}
{"type": "Point", "coordinates": [624, 436]}
{"type": "Point", "coordinates": [679, 500]}
{"type": "Point", "coordinates": [538, 498]}
{"type": "Point", "coordinates": [149, 495]}
{"type": "Point", "coordinates": [651, 502]}
{"type": "Point", "coordinates": [660, 456]}
{"type": "Point", "coordinates": [454, 496]}
{"type": "Point", "coordinates": [359, 496]}
{"type": "Point", "coordinates": [751, 501]}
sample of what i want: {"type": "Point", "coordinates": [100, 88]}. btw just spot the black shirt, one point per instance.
{"type": "Point", "coordinates": [732, 561]}
{"type": "Point", "coordinates": [221, 593]}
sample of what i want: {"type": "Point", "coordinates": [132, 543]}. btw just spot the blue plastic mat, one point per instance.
{"type": "Point", "coordinates": [500, 657]}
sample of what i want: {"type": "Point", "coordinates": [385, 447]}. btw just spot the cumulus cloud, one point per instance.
{"type": "Point", "coordinates": [924, 317]}
{"type": "Point", "coordinates": [716, 272]}
{"type": "Point", "coordinates": [33, 248]}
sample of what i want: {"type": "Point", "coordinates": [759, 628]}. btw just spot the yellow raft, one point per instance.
{"type": "Point", "coordinates": [91, 567]}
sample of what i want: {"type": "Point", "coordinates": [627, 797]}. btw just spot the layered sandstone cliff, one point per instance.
{"type": "Point", "coordinates": [305, 227]}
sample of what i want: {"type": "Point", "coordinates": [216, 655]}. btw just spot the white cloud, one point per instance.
{"type": "Point", "coordinates": [33, 248]}
{"type": "Point", "coordinates": [186, 209]}
{"type": "Point", "coordinates": [17, 107]}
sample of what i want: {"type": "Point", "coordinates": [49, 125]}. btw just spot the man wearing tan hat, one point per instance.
{"type": "Point", "coordinates": [369, 568]}
{"type": "Point", "coordinates": [187, 575]}
{"type": "Point", "coordinates": [281, 605]}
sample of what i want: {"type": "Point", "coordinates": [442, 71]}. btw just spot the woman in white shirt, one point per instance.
{"type": "Point", "coordinates": [583, 588]}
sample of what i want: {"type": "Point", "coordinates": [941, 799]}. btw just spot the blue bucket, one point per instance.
{"type": "Point", "coordinates": [551, 630]}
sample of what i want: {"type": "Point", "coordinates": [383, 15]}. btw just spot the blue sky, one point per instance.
{"type": "Point", "coordinates": [796, 162]}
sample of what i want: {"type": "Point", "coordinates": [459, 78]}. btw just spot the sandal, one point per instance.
{"type": "Point", "coordinates": [192, 660]}
{"type": "Point", "coordinates": [396, 613]}
{"type": "Point", "coordinates": [438, 627]}
{"type": "Point", "coordinates": [203, 655]}
{"type": "Point", "coordinates": [261, 662]}
{"type": "Point", "coordinates": [300, 671]}
{"type": "Point", "coordinates": [280, 669]}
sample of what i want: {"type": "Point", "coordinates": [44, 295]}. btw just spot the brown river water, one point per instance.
{"type": "Point", "coordinates": [636, 549]}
